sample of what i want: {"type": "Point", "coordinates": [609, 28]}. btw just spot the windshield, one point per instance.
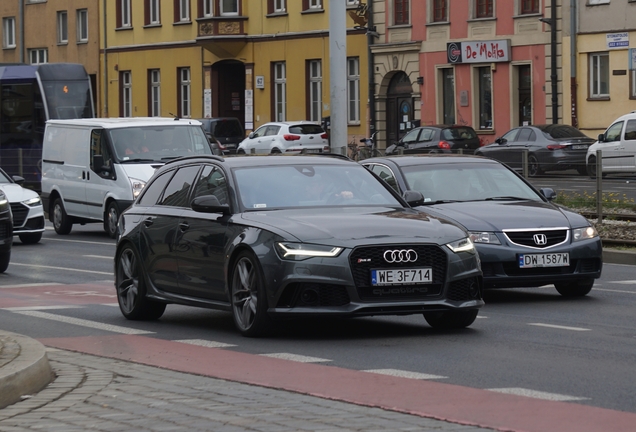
{"type": "Point", "coordinates": [159, 143]}
{"type": "Point", "coordinates": [467, 182]}
{"type": "Point", "coordinates": [68, 99]}
{"type": "Point", "coordinates": [457, 133]}
{"type": "Point", "coordinates": [294, 186]}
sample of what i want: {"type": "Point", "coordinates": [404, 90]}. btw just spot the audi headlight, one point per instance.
{"type": "Point", "coordinates": [137, 186]}
{"type": "Point", "coordinates": [3, 199]}
{"type": "Point", "coordinates": [301, 251]}
{"type": "Point", "coordinates": [463, 245]}
{"type": "Point", "coordinates": [33, 202]}
{"type": "Point", "coordinates": [484, 237]}
{"type": "Point", "coordinates": [584, 233]}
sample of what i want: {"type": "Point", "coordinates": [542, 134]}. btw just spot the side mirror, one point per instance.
{"type": "Point", "coordinates": [549, 193]}
{"type": "Point", "coordinates": [251, 135]}
{"type": "Point", "coordinates": [501, 140]}
{"type": "Point", "coordinates": [19, 180]}
{"type": "Point", "coordinates": [413, 198]}
{"type": "Point", "coordinates": [601, 137]}
{"type": "Point", "coordinates": [209, 204]}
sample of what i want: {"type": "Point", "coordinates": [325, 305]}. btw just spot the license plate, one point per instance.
{"type": "Point", "coordinates": [579, 147]}
{"type": "Point", "coordinates": [311, 150]}
{"type": "Point", "coordinates": [401, 276]}
{"type": "Point", "coordinates": [544, 260]}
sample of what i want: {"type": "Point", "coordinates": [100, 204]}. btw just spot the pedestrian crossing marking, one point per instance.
{"type": "Point", "coordinates": [405, 374]}
{"type": "Point", "coordinates": [205, 343]}
{"type": "Point", "coordinates": [537, 394]}
{"type": "Point", "coordinates": [296, 358]}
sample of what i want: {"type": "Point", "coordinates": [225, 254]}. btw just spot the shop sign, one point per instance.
{"type": "Point", "coordinates": [617, 40]}
{"type": "Point", "coordinates": [478, 51]}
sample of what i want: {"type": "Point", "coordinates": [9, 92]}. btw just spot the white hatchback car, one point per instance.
{"type": "Point", "coordinates": [26, 206]}
{"type": "Point", "coordinates": [286, 137]}
{"type": "Point", "coordinates": [617, 146]}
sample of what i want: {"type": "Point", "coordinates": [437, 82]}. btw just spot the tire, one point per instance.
{"type": "Point", "coordinates": [240, 152]}
{"type": "Point", "coordinates": [451, 319]}
{"type": "Point", "coordinates": [591, 168]}
{"type": "Point", "coordinates": [5, 257]}
{"type": "Point", "coordinates": [575, 289]}
{"type": "Point", "coordinates": [131, 288]}
{"type": "Point", "coordinates": [110, 219]}
{"type": "Point", "coordinates": [582, 170]}
{"type": "Point", "coordinates": [275, 151]}
{"type": "Point", "coordinates": [248, 297]}
{"type": "Point", "coordinates": [533, 166]}
{"type": "Point", "coordinates": [30, 238]}
{"type": "Point", "coordinates": [61, 222]}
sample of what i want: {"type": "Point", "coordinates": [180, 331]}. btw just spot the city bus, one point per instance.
{"type": "Point", "coordinates": [29, 96]}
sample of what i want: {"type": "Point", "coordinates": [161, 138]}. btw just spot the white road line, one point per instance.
{"type": "Point", "coordinates": [617, 291]}
{"type": "Point", "coordinates": [98, 256]}
{"type": "Point", "coordinates": [84, 323]}
{"type": "Point", "coordinates": [296, 358]}
{"type": "Point", "coordinates": [205, 343]}
{"type": "Point", "coordinates": [624, 282]}
{"type": "Point", "coordinates": [60, 268]}
{"type": "Point", "coordinates": [111, 304]}
{"type": "Point", "coordinates": [29, 285]}
{"type": "Point", "coordinates": [80, 241]}
{"type": "Point", "coordinates": [405, 374]}
{"type": "Point", "coordinates": [34, 308]}
{"type": "Point", "coordinates": [559, 327]}
{"type": "Point", "coordinates": [481, 316]}
{"type": "Point", "coordinates": [537, 394]}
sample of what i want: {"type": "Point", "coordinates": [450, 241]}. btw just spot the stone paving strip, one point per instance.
{"type": "Point", "coordinates": [100, 394]}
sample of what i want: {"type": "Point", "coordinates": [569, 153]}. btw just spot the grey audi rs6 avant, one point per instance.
{"type": "Point", "coordinates": [273, 237]}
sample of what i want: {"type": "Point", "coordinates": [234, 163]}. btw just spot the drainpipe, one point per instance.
{"type": "Point", "coordinates": [22, 50]}
{"type": "Point", "coordinates": [371, 32]}
{"type": "Point", "coordinates": [106, 84]}
{"type": "Point", "coordinates": [573, 61]}
{"type": "Point", "coordinates": [553, 62]}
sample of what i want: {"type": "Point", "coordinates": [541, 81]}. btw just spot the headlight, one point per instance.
{"type": "Point", "coordinates": [137, 186]}
{"type": "Point", "coordinates": [33, 202]}
{"type": "Point", "coordinates": [463, 245]}
{"type": "Point", "coordinates": [584, 233]}
{"type": "Point", "coordinates": [301, 251]}
{"type": "Point", "coordinates": [3, 199]}
{"type": "Point", "coordinates": [484, 237]}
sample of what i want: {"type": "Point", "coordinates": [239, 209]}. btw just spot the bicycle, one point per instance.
{"type": "Point", "coordinates": [354, 150]}
{"type": "Point", "coordinates": [369, 150]}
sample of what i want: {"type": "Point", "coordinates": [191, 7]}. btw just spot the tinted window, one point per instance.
{"type": "Point", "coordinates": [212, 182]}
{"type": "Point", "coordinates": [227, 128]}
{"type": "Point", "coordinates": [272, 130]}
{"type": "Point", "coordinates": [564, 131]}
{"type": "Point", "coordinates": [260, 132]}
{"type": "Point", "coordinates": [177, 191]}
{"type": "Point", "coordinates": [459, 133]}
{"type": "Point", "coordinates": [306, 129]}
{"type": "Point", "coordinates": [630, 130]}
{"type": "Point", "coordinates": [511, 135]}
{"type": "Point", "coordinates": [427, 134]}
{"type": "Point", "coordinates": [152, 192]}
{"type": "Point", "coordinates": [387, 175]}
{"type": "Point", "coordinates": [411, 136]}
{"type": "Point", "coordinates": [99, 147]}
{"type": "Point", "coordinates": [525, 134]}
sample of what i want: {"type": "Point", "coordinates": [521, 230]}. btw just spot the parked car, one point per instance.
{"type": "Point", "coordinates": [437, 139]}
{"type": "Point", "coordinates": [522, 238]}
{"type": "Point", "coordinates": [269, 237]}
{"type": "Point", "coordinates": [6, 232]}
{"type": "Point", "coordinates": [618, 147]}
{"type": "Point", "coordinates": [550, 147]}
{"type": "Point", "coordinates": [228, 132]}
{"type": "Point", "coordinates": [26, 208]}
{"type": "Point", "coordinates": [286, 137]}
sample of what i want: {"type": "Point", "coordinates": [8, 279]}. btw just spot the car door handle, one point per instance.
{"type": "Point", "coordinates": [183, 226]}
{"type": "Point", "coordinates": [149, 221]}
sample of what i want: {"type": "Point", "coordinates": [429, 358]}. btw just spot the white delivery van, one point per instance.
{"type": "Point", "coordinates": [93, 169]}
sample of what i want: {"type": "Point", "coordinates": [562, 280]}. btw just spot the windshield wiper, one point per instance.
{"type": "Point", "coordinates": [440, 202]}
{"type": "Point", "coordinates": [137, 160]}
{"type": "Point", "coordinates": [506, 198]}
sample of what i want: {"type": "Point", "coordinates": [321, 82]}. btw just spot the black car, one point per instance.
{"type": "Point", "coordinates": [286, 236]}
{"type": "Point", "coordinates": [550, 147]}
{"type": "Point", "coordinates": [437, 139]}
{"type": "Point", "coordinates": [523, 240]}
{"type": "Point", "coordinates": [228, 132]}
{"type": "Point", "coordinates": [6, 232]}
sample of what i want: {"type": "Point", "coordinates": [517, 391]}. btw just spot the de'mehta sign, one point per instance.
{"type": "Point", "coordinates": [478, 51]}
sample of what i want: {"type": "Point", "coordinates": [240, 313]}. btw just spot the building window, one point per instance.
{"type": "Point", "coordinates": [448, 95]}
{"type": "Point", "coordinates": [280, 91]}
{"type": "Point", "coordinates": [62, 27]}
{"type": "Point", "coordinates": [597, 2]}
{"type": "Point", "coordinates": [153, 15]}
{"type": "Point", "coordinates": [315, 90]}
{"type": "Point", "coordinates": [82, 25]}
{"type": "Point", "coordinates": [276, 6]}
{"type": "Point", "coordinates": [206, 8]}
{"type": "Point", "coordinates": [529, 6]}
{"type": "Point", "coordinates": [182, 10]}
{"type": "Point", "coordinates": [352, 3]}
{"type": "Point", "coordinates": [353, 90]}
{"type": "Point", "coordinates": [315, 4]}
{"type": "Point", "coordinates": [484, 83]}
{"type": "Point", "coordinates": [8, 32]}
{"type": "Point", "coordinates": [440, 11]}
{"type": "Point", "coordinates": [401, 12]}
{"type": "Point", "coordinates": [229, 7]}
{"type": "Point", "coordinates": [124, 18]}
{"type": "Point", "coordinates": [484, 8]}
{"type": "Point", "coordinates": [154, 80]}
{"type": "Point", "coordinates": [125, 86]}
{"type": "Point", "coordinates": [184, 92]}
{"type": "Point", "coordinates": [599, 75]}
{"type": "Point", "coordinates": [38, 56]}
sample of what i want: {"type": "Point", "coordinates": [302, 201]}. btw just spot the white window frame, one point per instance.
{"type": "Point", "coordinates": [208, 8]}
{"type": "Point", "coordinates": [280, 91]}
{"type": "Point", "coordinates": [154, 16]}
{"type": "Point", "coordinates": [315, 4]}
{"type": "Point", "coordinates": [315, 88]}
{"type": "Point", "coordinates": [597, 2]}
{"type": "Point", "coordinates": [8, 32]}
{"type": "Point", "coordinates": [62, 27]}
{"type": "Point", "coordinates": [38, 55]}
{"type": "Point", "coordinates": [632, 74]}
{"type": "Point", "coordinates": [352, 3]}
{"type": "Point", "coordinates": [279, 6]}
{"type": "Point", "coordinates": [232, 10]}
{"type": "Point", "coordinates": [184, 10]}
{"type": "Point", "coordinates": [478, 102]}
{"type": "Point", "coordinates": [155, 92]}
{"type": "Point", "coordinates": [353, 90]}
{"type": "Point", "coordinates": [185, 91]}
{"type": "Point", "coordinates": [595, 71]}
{"type": "Point", "coordinates": [126, 18]}
{"type": "Point", "coordinates": [126, 93]}
{"type": "Point", "coordinates": [82, 25]}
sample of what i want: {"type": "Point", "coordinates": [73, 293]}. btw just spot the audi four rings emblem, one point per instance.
{"type": "Point", "coordinates": [400, 256]}
{"type": "Point", "coordinates": [540, 239]}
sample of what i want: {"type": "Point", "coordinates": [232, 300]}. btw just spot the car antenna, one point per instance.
{"type": "Point", "coordinates": [176, 117]}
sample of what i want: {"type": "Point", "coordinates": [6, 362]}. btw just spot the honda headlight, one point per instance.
{"type": "Point", "coordinates": [463, 245]}
{"type": "Point", "coordinates": [33, 202]}
{"type": "Point", "coordinates": [584, 233]}
{"type": "Point", "coordinates": [301, 251]}
{"type": "Point", "coordinates": [137, 186]}
{"type": "Point", "coordinates": [484, 237]}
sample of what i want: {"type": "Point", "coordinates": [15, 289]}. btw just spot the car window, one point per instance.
{"type": "Point", "coordinates": [308, 129]}
{"type": "Point", "coordinates": [178, 189]}
{"type": "Point", "coordinates": [459, 133]}
{"type": "Point", "coordinates": [387, 175]}
{"type": "Point", "coordinates": [613, 133]}
{"type": "Point", "coordinates": [411, 136]}
{"type": "Point", "coordinates": [227, 128]}
{"type": "Point", "coordinates": [564, 131]}
{"type": "Point", "coordinates": [272, 130]}
{"type": "Point", "coordinates": [153, 191]}
{"type": "Point", "coordinates": [260, 132]}
{"type": "Point", "coordinates": [524, 134]}
{"type": "Point", "coordinates": [630, 130]}
{"type": "Point", "coordinates": [511, 136]}
{"type": "Point", "coordinates": [4, 178]}
{"type": "Point", "coordinates": [212, 181]}
{"type": "Point", "coordinates": [99, 147]}
{"type": "Point", "coordinates": [427, 134]}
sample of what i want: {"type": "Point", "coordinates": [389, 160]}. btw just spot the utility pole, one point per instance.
{"type": "Point", "coordinates": [338, 75]}
{"type": "Point", "coordinates": [552, 22]}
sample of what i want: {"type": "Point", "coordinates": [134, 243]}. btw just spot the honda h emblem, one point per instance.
{"type": "Point", "coordinates": [540, 239]}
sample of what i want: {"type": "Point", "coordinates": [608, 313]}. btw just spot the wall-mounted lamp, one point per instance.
{"type": "Point", "coordinates": [420, 80]}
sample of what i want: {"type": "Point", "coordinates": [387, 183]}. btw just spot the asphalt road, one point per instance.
{"type": "Point", "coordinates": [525, 341]}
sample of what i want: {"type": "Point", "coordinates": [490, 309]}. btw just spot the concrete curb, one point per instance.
{"type": "Point", "coordinates": [26, 368]}
{"type": "Point", "coordinates": [615, 256]}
